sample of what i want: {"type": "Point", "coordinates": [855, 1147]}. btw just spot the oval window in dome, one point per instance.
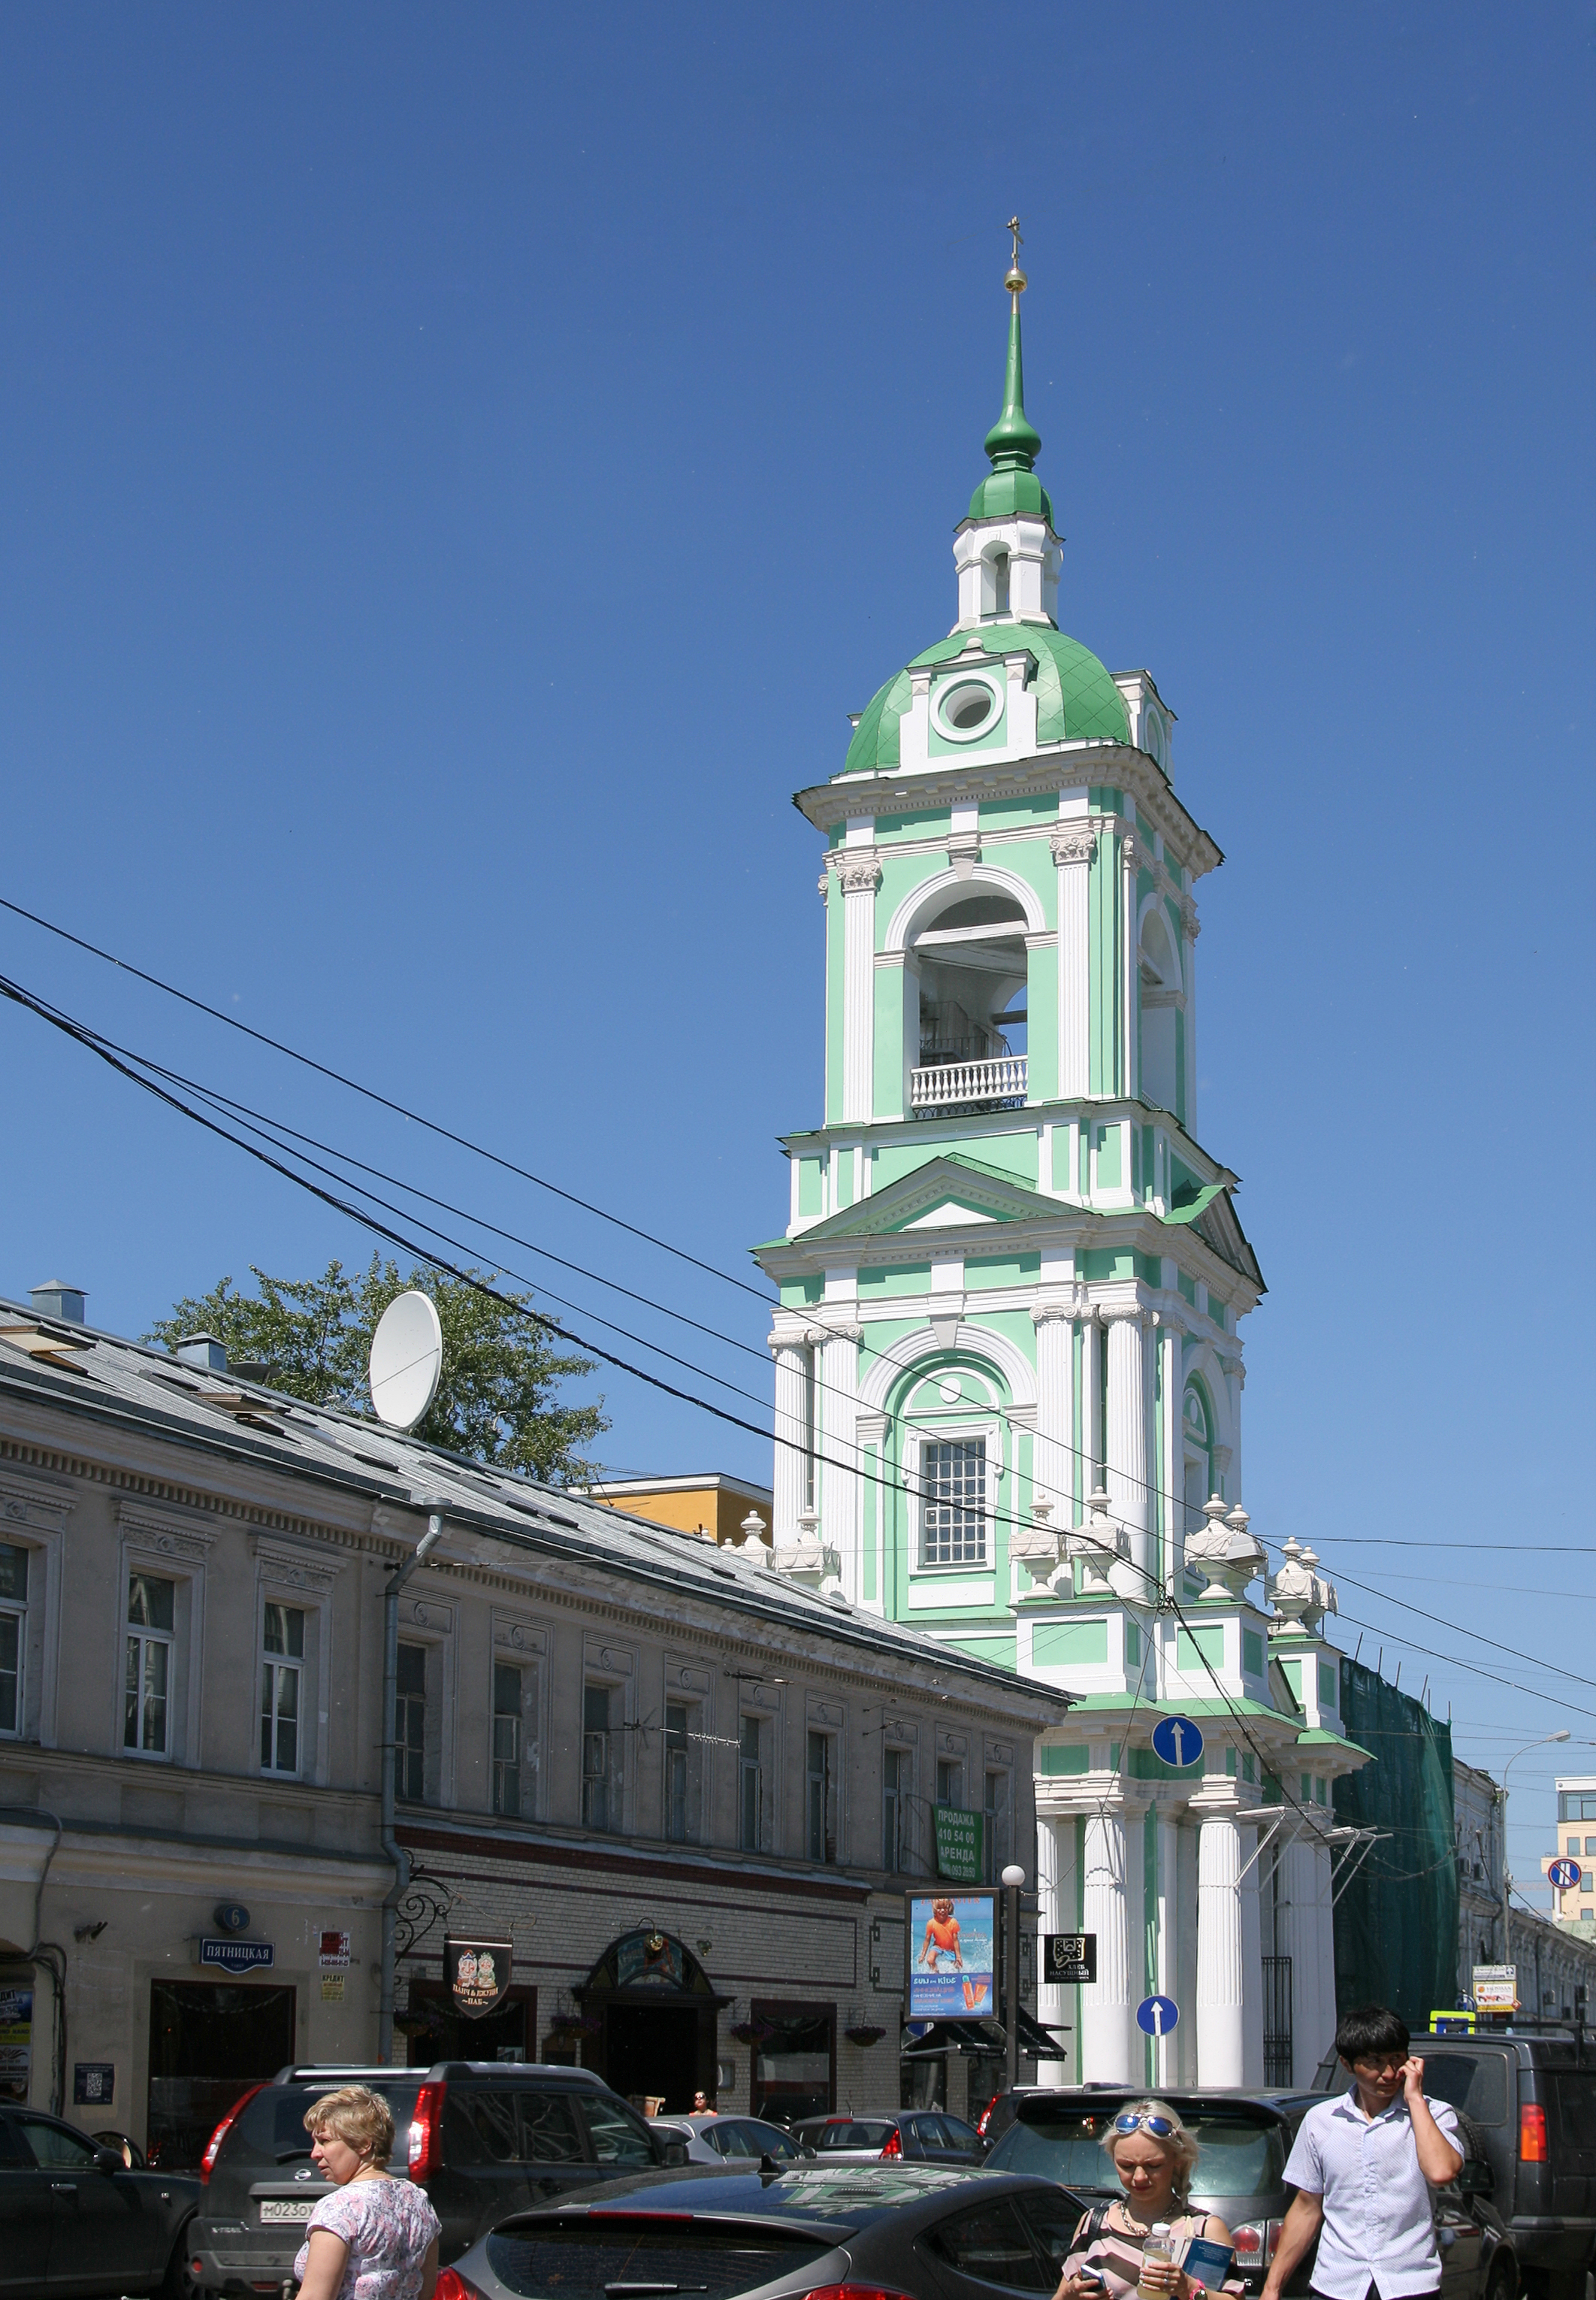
{"type": "Point", "coordinates": [966, 706]}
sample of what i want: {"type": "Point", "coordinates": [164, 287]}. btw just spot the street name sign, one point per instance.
{"type": "Point", "coordinates": [235, 1955]}
{"type": "Point", "coordinates": [1069, 1958]}
{"type": "Point", "coordinates": [1157, 2015]}
{"type": "Point", "coordinates": [1177, 1741]}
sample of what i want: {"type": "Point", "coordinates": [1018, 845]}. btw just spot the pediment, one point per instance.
{"type": "Point", "coordinates": [948, 1192]}
{"type": "Point", "coordinates": [1212, 1215]}
{"type": "Point", "coordinates": [952, 1211]}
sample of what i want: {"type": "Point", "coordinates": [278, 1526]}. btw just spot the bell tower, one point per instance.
{"type": "Point", "coordinates": [1007, 1349]}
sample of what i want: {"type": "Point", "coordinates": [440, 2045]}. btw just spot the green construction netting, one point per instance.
{"type": "Point", "coordinates": [1396, 1923]}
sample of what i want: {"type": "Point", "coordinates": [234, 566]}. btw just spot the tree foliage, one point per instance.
{"type": "Point", "coordinates": [498, 1398]}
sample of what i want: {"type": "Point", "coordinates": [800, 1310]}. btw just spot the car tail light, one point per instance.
{"type": "Point", "coordinates": [424, 2150]}
{"type": "Point", "coordinates": [222, 2132]}
{"type": "Point", "coordinates": [1255, 2242]}
{"type": "Point", "coordinates": [452, 2286]}
{"type": "Point", "coordinates": [984, 2119]}
{"type": "Point", "coordinates": [1531, 2134]}
{"type": "Point", "coordinates": [894, 2145]}
{"type": "Point", "coordinates": [853, 2292]}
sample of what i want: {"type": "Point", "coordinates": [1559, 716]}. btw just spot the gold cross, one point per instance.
{"type": "Point", "coordinates": [1019, 242]}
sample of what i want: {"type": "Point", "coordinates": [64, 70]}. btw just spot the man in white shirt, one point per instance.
{"type": "Point", "coordinates": [1363, 2167]}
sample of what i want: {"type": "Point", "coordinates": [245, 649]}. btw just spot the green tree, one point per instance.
{"type": "Point", "coordinates": [498, 1395]}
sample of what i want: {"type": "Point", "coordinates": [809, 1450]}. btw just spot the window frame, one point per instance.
{"type": "Point", "coordinates": [830, 1787]}
{"type": "Point", "coordinates": [144, 1640]}
{"type": "Point", "coordinates": [613, 1775]}
{"type": "Point", "coordinates": [986, 1434]}
{"type": "Point", "coordinates": [690, 1754]}
{"type": "Point", "coordinates": [285, 1663]}
{"type": "Point", "coordinates": [403, 1748]}
{"type": "Point", "coordinates": [996, 1857]}
{"type": "Point", "coordinates": [499, 1765]}
{"type": "Point", "coordinates": [897, 1796]}
{"type": "Point", "coordinates": [18, 1611]}
{"type": "Point", "coordinates": [760, 1769]}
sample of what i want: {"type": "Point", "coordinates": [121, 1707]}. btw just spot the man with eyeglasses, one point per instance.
{"type": "Point", "coordinates": [1363, 2167]}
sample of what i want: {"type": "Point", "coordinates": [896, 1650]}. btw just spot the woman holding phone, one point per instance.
{"type": "Point", "coordinates": [1154, 2157]}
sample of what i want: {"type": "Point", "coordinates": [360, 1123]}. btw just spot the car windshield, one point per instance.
{"type": "Point", "coordinates": [1240, 2157]}
{"type": "Point", "coordinates": [270, 2130]}
{"type": "Point", "coordinates": [849, 2132]}
{"type": "Point", "coordinates": [566, 2262]}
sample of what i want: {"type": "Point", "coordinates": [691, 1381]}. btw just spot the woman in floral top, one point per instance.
{"type": "Point", "coordinates": [375, 2237]}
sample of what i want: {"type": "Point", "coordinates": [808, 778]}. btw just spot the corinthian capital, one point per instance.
{"type": "Point", "coordinates": [1114, 1314]}
{"type": "Point", "coordinates": [1071, 844]}
{"type": "Point", "coordinates": [858, 867]}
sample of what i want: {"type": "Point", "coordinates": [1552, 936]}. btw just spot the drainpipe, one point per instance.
{"type": "Point", "coordinates": [392, 1848]}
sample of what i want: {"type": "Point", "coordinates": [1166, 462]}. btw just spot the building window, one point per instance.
{"type": "Point", "coordinates": [750, 1785]}
{"type": "Point", "coordinates": [152, 1611]}
{"type": "Point", "coordinates": [895, 1806]}
{"type": "Point", "coordinates": [821, 1799]}
{"type": "Point", "coordinates": [679, 1773]}
{"type": "Point", "coordinates": [508, 1695]}
{"type": "Point", "coordinates": [410, 1725]}
{"type": "Point", "coordinates": [13, 1634]}
{"type": "Point", "coordinates": [995, 1830]}
{"type": "Point", "coordinates": [601, 1773]}
{"type": "Point", "coordinates": [953, 1477]}
{"type": "Point", "coordinates": [950, 1781]}
{"type": "Point", "coordinates": [282, 1669]}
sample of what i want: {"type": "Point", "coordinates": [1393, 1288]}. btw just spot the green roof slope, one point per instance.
{"type": "Point", "coordinates": [1076, 700]}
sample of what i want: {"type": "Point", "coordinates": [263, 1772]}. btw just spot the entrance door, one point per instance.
{"type": "Point", "coordinates": [652, 2048]}
{"type": "Point", "coordinates": [208, 2042]}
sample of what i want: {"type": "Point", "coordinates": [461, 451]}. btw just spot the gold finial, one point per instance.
{"type": "Point", "coordinates": [1015, 278]}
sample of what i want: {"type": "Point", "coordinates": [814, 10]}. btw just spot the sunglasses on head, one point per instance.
{"type": "Point", "coordinates": [1161, 2127]}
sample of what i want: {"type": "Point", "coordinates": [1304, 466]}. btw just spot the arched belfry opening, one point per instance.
{"type": "Point", "coordinates": [1161, 1000]}
{"type": "Point", "coordinates": [969, 960]}
{"type": "Point", "coordinates": [654, 2011]}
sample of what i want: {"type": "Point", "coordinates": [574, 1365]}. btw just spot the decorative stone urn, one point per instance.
{"type": "Point", "coordinates": [1301, 1597]}
{"type": "Point", "coordinates": [1099, 1544]}
{"type": "Point", "coordinates": [1226, 1550]}
{"type": "Point", "coordinates": [808, 1559]}
{"type": "Point", "coordinates": [1037, 1547]}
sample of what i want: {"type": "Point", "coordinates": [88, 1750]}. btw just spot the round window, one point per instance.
{"type": "Point", "coordinates": [966, 706]}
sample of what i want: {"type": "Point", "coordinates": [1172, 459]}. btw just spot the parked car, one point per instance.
{"type": "Point", "coordinates": [905, 2231]}
{"type": "Point", "coordinates": [919, 2135]}
{"type": "Point", "coordinates": [713, 2140]}
{"type": "Point", "coordinates": [1532, 2097]}
{"type": "Point", "coordinates": [77, 2218]}
{"type": "Point", "coordinates": [485, 2138]}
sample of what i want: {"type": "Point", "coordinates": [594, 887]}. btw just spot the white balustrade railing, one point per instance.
{"type": "Point", "coordinates": [949, 1086]}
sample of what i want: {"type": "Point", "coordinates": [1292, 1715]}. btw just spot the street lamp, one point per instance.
{"type": "Point", "coordinates": [1507, 1881]}
{"type": "Point", "coordinates": [1013, 1878]}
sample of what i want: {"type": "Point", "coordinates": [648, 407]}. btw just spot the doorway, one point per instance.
{"type": "Point", "coordinates": [208, 2042]}
{"type": "Point", "coordinates": [654, 2048]}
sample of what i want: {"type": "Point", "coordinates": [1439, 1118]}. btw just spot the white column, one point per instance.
{"type": "Point", "coordinates": [788, 1474]}
{"type": "Point", "coordinates": [1169, 1929]}
{"type": "Point", "coordinates": [1248, 1897]}
{"type": "Point", "coordinates": [1220, 2057]}
{"type": "Point", "coordinates": [1135, 1933]}
{"type": "Point", "coordinates": [1105, 2006]}
{"type": "Point", "coordinates": [837, 1372]}
{"type": "Point", "coordinates": [1322, 2038]}
{"type": "Point", "coordinates": [1299, 1940]}
{"type": "Point", "coordinates": [1130, 1066]}
{"type": "Point", "coordinates": [1188, 954]}
{"type": "Point", "coordinates": [1089, 1437]}
{"type": "Point", "coordinates": [1052, 1470]}
{"type": "Point", "coordinates": [1074, 845]}
{"type": "Point", "coordinates": [860, 874]}
{"type": "Point", "coordinates": [1171, 1457]}
{"type": "Point", "coordinates": [1128, 1450]}
{"type": "Point", "coordinates": [1051, 1917]}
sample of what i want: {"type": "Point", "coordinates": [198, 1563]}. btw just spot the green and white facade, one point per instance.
{"type": "Point", "coordinates": [1008, 1364]}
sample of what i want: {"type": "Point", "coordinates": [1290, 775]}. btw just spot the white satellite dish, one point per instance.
{"type": "Point", "coordinates": [407, 1357]}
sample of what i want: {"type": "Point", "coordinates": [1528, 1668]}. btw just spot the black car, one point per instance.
{"type": "Point", "coordinates": [895, 2231]}
{"type": "Point", "coordinates": [485, 2138]}
{"type": "Point", "coordinates": [1532, 2099]}
{"type": "Point", "coordinates": [74, 2218]}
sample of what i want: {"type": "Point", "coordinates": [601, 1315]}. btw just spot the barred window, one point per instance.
{"type": "Point", "coordinates": [953, 1481]}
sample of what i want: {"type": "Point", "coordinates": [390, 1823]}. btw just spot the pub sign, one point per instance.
{"type": "Point", "coordinates": [478, 1974]}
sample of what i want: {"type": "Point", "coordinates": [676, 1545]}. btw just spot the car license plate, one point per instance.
{"type": "Point", "coordinates": [287, 2208]}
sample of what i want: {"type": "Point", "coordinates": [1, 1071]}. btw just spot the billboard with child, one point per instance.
{"type": "Point", "coordinates": [951, 1958]}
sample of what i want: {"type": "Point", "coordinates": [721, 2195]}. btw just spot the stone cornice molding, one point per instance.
{"type": "Point", "coordinates": [299, 1568]}
{"type": "Point", "coordinates": [1113, 1313]}
{"type": "Point", "coordinates": [858, 868]}
{"type": "Point", "coordinates": [164, 1532]}
{"type": "Point", "coordinates": [24, 1501]}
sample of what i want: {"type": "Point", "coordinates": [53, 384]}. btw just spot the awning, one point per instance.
{"type": "Point", "coordinates": [1037, 2043]}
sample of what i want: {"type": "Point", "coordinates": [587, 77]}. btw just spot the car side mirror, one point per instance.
{"type": "Point", "coordinates": [1476, 2178]}
{"type": "Point", "coordinates": [673, 2151]}
{"type": "Point", "coordinates": [109, 2160]}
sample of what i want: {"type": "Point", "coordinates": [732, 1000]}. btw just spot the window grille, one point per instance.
{"type": "Point", "coordinates": [953, 1478]}
{"type": "Point", "coordinates": [282, 1653]}
{"type": "Point", "coordinates": [410, 1725]}
{"type": "Point", "coordinates": [1277, 2020]}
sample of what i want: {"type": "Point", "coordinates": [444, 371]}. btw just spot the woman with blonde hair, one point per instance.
{"type": "Point", "coordinates": [1154, 2157]}
{"type": "Point", "coordinates": [375, 2237]}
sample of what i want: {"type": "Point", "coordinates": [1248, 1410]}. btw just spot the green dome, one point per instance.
{"type": "Point", "coordinates": [1076, 700]}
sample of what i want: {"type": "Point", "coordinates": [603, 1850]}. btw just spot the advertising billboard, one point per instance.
{"type": "Point", "coordinates": [950, 1957]}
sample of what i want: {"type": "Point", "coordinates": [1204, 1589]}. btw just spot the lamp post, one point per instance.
{"type": "Point", "coordinates": [1507, 1880]}
{"type": "Point", "coordinates": [1013, 1878]}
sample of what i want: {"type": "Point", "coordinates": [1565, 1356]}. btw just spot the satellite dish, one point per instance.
{"type": "Point", "coordinates": [407, 1357]}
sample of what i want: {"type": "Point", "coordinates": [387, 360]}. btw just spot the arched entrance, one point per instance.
{"type": "Point", "coordinates": [658, 2015]}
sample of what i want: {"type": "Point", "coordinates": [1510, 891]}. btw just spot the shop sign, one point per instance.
{"type": "Point", "coordinates": [93, 2083]}
{"type": "Point", "coordinates": [332, 1988]}
{"type": "Point", "coordinates": [16, 2040]}
{"type": "Point", "coordinates": [958, 1834]}
{"type": "Point", "coordinates": [477, 1972]}
{"type": "Point", "coordinates": [334, 1950]}
{"type": "Point", "coordinates": [1496, 1987]}
{"type": "Point", "coordinates": [1068, 1958]}
{"type": "Point", "coordinates": [235, 1955]}
{"type": "Point", "coordinates": [951, 1956]}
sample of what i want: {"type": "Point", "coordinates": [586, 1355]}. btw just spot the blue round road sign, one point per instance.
{"type": "Point", "coordinates": [1564, 1874]}
{"type": "Point", "coordinates": [1157, 2015]}
{"type": "Point", "coordinates": [1178, 1742]}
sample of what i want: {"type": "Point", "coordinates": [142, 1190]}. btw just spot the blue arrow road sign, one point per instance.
{"type": "Point", "coordinates": [1178, 1742]}
{"type": "Point", "coordinates": [1157, 2015]}
{"type": "Point", "coordinates": [1564, 1874]}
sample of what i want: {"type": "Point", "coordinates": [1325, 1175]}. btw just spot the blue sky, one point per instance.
{"type": "Point", "coordinates": [460, 466]}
